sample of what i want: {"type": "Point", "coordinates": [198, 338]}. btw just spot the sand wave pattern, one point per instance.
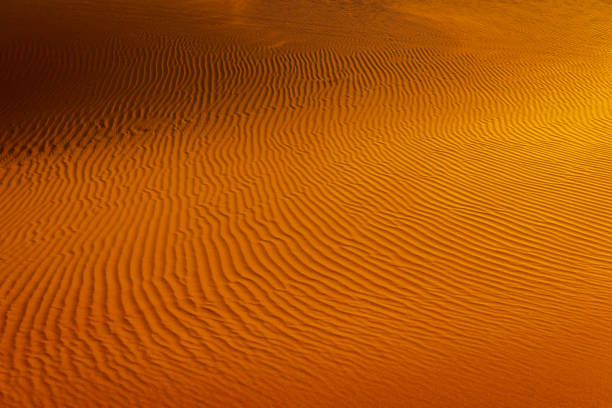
{"type": "Point", "coordinates": [305, 204]}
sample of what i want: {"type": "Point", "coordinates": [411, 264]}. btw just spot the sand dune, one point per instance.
{"type": "Point", "coordinates": [305, 204]}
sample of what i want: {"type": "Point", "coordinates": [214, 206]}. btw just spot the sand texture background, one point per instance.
{"type": "Point", "coordinates": [306, 203]}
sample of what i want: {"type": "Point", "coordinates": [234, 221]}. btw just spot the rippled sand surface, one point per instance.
{"type": "Point", "coordinates": [306, 203]}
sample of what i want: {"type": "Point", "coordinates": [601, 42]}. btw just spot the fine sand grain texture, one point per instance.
{"type": "Point", "coordinates": [306, 203]}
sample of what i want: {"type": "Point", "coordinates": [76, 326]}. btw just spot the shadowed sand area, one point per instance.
{"type": "Point", "coordinates": [306, 203]}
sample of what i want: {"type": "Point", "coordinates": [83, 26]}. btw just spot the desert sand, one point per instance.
{"type": "Point", "coordinates": [306, 203]}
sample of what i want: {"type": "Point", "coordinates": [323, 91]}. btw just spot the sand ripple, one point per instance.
{"type": "Point", "coordinates": [318, 204]}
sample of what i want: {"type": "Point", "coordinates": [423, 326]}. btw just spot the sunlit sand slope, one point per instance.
{"type": "Point", "coordinates": [305, 203]}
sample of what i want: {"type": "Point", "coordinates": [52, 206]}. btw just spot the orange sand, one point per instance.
{"type": "Point", "coordinates": [306, 203]}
